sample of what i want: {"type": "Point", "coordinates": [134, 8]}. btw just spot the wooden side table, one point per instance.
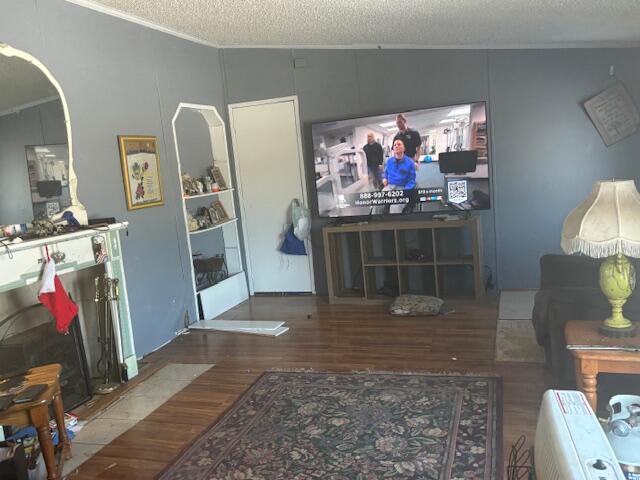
{"type": "Point", "coordinates": [594, 353]}
{"type": "Point", "coordinates": [36, 413]}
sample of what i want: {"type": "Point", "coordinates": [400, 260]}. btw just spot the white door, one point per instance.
{"type": "Point", "coordinates": [270, 169]}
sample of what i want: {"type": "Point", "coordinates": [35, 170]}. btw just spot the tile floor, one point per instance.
{"type": "Point", "coordinates": [516, 304]}
{"type": "Point", "coordinates": [134, 405]}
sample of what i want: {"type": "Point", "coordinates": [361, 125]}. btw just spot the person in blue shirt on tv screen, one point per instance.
{"type": "Point", "coordinates": [399, 173]}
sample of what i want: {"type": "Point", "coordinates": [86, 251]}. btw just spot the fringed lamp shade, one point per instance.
{"type": "Point", "coordinates": [607, 223]}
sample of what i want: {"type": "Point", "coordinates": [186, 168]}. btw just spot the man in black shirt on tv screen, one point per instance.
{"type": "Point", "coordinates": [410, 137]}
{"type": "Point", "coordinates": [375, 160]}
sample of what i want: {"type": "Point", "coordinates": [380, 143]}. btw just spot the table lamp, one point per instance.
{"type": "Point", "coordinates": [607, 225]}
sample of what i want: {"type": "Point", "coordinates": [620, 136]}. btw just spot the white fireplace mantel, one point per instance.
{"type": "Point", "coordinates": [21, 264]}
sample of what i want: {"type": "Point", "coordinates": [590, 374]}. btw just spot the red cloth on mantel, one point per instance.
{"type": "Point", "coordinates": [54, 297]}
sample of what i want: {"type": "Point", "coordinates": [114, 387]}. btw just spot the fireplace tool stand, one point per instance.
{"type": "Point", "coordinates": [106, 294]}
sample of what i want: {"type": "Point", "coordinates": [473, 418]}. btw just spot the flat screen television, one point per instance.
{"type": "Point", "coordinates": [429, 160]}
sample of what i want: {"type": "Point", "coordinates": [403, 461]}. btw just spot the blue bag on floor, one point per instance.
{"type": "Point", "coordinates": [291, 245]}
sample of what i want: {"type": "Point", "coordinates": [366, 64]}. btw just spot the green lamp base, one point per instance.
{"type": "Point", "coordinates": [617, 281]}
{"type": "Point", "coordinates": [616, 332]}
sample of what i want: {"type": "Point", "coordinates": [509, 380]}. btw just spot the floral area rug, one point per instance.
{"type": "Point", "coordinates": [352, 426]}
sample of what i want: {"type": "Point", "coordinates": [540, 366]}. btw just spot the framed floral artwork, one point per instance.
{"type": "Point", "coordinates": [140, 171]}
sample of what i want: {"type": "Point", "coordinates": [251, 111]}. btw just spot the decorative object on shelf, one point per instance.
{"type": "Point", "coordinates": [189, 186]}
{"type": "Point", "coordinates": [216, 174]}
{"type": "Point", "coordinates": [213, 214]}
{"type": "Point", "coordinates": [99, 249]}
{"type": "Point", "coordinates": [46, 228]}
{"type": "Point", "coordinates": [192, 222]}
{"type": "Point", "coordinates": [209, 271]}
{"type": "Point", "coordinates": [140, 171]}
{"type": "Point", "coordinates": [203, 217]}
{"type": "Point", "coordinates": [14, 230]}
{"type": "Point", "coordinates": [208, 184]}
{"type": "Point", "coordinates": [416, 305]}
{"type": "Point", "coordinates": [605, 225]}
{"type": "Point", "coordinates": [220, 211]}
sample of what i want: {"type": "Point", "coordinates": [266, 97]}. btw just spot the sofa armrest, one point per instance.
{"type": "Point", "coordinates": [540, 315]}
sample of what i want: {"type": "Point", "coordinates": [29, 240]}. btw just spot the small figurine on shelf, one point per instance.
{"type": "Point", "coordinates": [204, 218]}
{"type": "Point", "coordinates": [215, 187]}
{"type": "Point", "coordinates": [192, 223]}
{"type": "Point", "coordinates": [208, 184]}
{"type": "Point", "coordinates": [189, 186]}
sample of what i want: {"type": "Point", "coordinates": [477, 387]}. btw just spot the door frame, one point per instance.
{"type": "Point", "coordinates": [303, 177]}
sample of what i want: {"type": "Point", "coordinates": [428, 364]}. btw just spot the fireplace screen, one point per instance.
{"type": "Point", "coordinates": [42, 345]}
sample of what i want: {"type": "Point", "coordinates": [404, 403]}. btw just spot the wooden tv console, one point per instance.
{"type": "Point", "coordinates": [374, 262]}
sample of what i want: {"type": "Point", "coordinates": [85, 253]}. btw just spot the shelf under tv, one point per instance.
{"type": "Point", "coordinates": [368, 262]}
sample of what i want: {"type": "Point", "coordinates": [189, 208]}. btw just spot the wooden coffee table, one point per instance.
{"type": "Point", "coordinates": [36, 413]}
{"type": "Point", "coordinates": [594, 353]}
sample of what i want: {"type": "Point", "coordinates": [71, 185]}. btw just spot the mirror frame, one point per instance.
{"type": "Point", "coordinates": [78, 210]}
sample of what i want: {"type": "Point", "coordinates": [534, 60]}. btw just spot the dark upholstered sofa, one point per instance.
{"type": "Point", "coordinates": [569, 290]}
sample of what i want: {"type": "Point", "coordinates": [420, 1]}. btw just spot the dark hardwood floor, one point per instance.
{"type": "Point", "coordinates": [322, 337]}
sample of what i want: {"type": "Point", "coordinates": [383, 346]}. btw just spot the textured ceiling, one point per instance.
{"type": "Point", "coordinates": [400, 23]}
{"type": "Point", "coordinates": [22, 83]}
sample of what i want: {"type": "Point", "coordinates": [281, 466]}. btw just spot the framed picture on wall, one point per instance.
{"type": "Point", "coordinates": [140, 171]}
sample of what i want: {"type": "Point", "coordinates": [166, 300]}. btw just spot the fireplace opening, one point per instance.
{"type": "Point", "coordinates": [42, 345]}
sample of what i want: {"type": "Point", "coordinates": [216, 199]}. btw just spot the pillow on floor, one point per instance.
{"type": "Point", "coordinates": [410, 305]}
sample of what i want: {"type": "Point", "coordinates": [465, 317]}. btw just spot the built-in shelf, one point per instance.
{"type": "Point", "coordinates": [215, 227]}
{"type": "Point", "coordinates": [210, 194]}
{"type": "Point", "coordinates": [216, 299]}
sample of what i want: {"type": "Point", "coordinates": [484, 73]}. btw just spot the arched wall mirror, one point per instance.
{"type": "Point", "coordinates": [37, 178]}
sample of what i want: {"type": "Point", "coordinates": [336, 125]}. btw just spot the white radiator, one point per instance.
{"type": "Point", "coordinates": [570, 444]}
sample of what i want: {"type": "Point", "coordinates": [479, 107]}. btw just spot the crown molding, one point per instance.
{"type": "Point", "coordinates": [140, 21]}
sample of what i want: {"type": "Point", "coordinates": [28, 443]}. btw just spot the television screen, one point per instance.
{"type": "Point", "coordinates": [429, 160]}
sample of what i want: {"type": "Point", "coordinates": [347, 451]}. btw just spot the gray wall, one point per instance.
{"type": "Point", "coordinates": [344, 83]}
{"type": "Point", "coordinates": [39, 125]}
{"type": "Point", "coordinates": [120, 78]}
{"type": "Point", "coordinates": [546, 155]}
